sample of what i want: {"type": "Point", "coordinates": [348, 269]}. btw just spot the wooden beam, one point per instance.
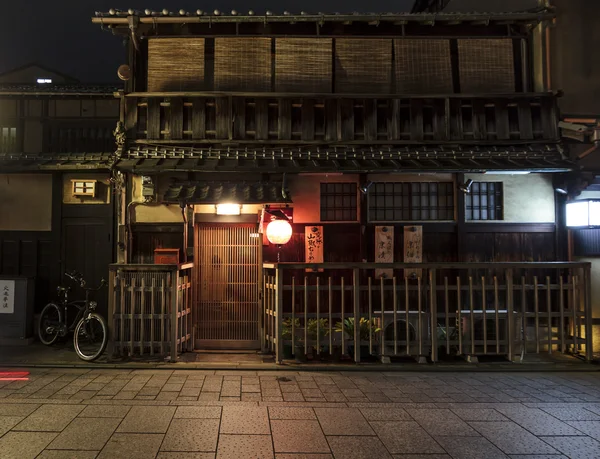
{"type": "Point", "coordinates": [153, 129]}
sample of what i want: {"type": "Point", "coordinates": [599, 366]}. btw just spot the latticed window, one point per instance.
{"type": "Point", "coordinates": [405, 201]}
{"type": "Point", "coordinates": [8, 139]}
{"type": "Point", "coordinates": [485, 201]}
{"type": "Point", "coordinates": [339, 202]}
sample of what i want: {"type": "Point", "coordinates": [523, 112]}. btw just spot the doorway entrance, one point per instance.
{"type": "Point", "coordinates": [228, 282]}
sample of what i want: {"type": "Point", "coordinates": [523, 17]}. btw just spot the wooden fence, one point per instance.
{"type": "Point", "coordinates": [150, 309]}
{"type": "Point", "coordinates": [470, 309]}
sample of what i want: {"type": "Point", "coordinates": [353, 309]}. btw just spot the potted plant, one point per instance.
{"type": "Point", "coordinates": [286, 335]}
{"type": "Point", "coordinates": [366, 327]}
{"type": "Point", "coordinates": [318, 328]}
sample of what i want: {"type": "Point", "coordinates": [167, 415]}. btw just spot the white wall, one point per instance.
{"type": "Point", "coordinates": [527, 198]}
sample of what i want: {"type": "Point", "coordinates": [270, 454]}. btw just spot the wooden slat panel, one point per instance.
{"type": "Point", "coordinates": [394, 120]}
{"type": "Point", "coordinates": [456, 131]}
{"type": "Point", "coordinates": [549, 121]}
{"type": "Point", "coordinates": [243, 64]}
{"type": "Point", "coordinates": [370, 119]}
{"type": "Point", "coordinates": [331, 118]}
{"type": "Point", "coordinates": [525, 122]}
{"type": "Point", "coordinates": [176, 126]}
{"type": "Point", "coordinates": [285, 119]}
{"type": "Point", "coordinates": [486, 66]}
{"type": "Point", "coordinates": [239, 117]}
{"type": "Point", "coordinates": [423, 66]}
{"type": "Point", "coordinates": [303, 65]}
{"type": "Point", "coordinates": [363, 65]}
{"type": "Point", "coordinates": [199, 119]}
{"type": "Point", "coordinates": [346, 111]}
{"type": "Point", "coordinates": [131, 114]}
{"type": "Point", "coordinates": [308, 119]}
{"type": "Point", "coordinates": [223, 114]}
{"type": "Point", "coordinates": [479, 125]}
{"type": "Point", "coordinates": [262, 119]}
{"type": "Point", "coordinates": [153, 118]}
{"type": "Point", "coordinates": [176, 64]}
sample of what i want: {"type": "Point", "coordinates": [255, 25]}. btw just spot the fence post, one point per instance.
{"type": "Point", "coordinates": [589, 333]}
{"type": "Point", "coordinates": [509, 312]}
{"type": "Point", "coordinates": [110, 320]}
{"type": "Point", "coordinates": [433, 314]}
{"type": "Point", "coordinates": [356, 292]}
{"type": "Point", "coordinates": [174, 307]}
{"type": "Point", "coordinates": [278, 314]}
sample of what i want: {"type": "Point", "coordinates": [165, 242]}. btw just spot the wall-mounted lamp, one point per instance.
{"type": "Point", "coordinates": [279, 232]}
{"type": "Point", "coordinates": [466, 187]}
{"type": "Point", "coordinates": [228, 209]}
{"type": "Point", "coordinates": [583, 213]}
{"type": "Point", "coordinates": [364, 188]}
{"type": "Point", "coordinates": [560, 190]}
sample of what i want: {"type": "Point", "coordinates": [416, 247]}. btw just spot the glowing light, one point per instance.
{"type": "Point", "coordinates": [583, 213]}
{"type": "Point", "coordinates": [229, 209]}
{"type": "Point", "coordinates": [279, 232]}
{"type": "Point", "coordinates": [44, 80]}
{"type": "Point", "coordinates": [14, 376]}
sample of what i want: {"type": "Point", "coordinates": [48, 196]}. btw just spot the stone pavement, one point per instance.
{"type": "Point", "coordinates": [104, 413]}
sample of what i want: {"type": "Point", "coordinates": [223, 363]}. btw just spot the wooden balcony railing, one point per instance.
{"type": "Point", "coordinates": [466, 309]}
{"type": "Point", "coordinates": [150, 309]}
{"type": "Point", "coordinates": [196, 118]}
{"type": "Point", "coordinates": [77, 137]}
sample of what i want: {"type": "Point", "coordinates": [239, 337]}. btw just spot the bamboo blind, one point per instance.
{"type": "Point", "coordinates": [303, 64]}
{"type": "Point", "coordinates": [242, 64]}
{"type": "Point", "coordinates": [175, 64]}
{"type": "Point", "coordinates": [363, 65]}
{"type": "Point", "coordinates": [423, 66]}
{"type": "Point", "coordinates": [486, 66]}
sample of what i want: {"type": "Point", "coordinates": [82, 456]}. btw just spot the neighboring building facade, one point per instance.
{"type": "Point", "coordinates": [348, 122]}
{"type": "Point", "coordinates": [55, 135]}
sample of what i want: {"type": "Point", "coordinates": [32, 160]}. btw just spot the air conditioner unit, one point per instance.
{"type": "Point", "coordinates": [399, 347]}
{"type": "Point", "coordinates": [487, 338]}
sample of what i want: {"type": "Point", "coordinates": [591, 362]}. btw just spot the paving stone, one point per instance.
{"type": "Point", "coordinates": [49, 418]}
{"type": "Point", "coordinates": [131, 446]}
{"type": "Point", "coordinates": [184, 455]}
{"type": "Point", "coordinates": [470, 447]}
{"type": "Point", "coordinates": [24, 445]}
{"type": "Point", "coordinates": [251, 388]}
{"type": "Point", "coordinates": [198, 412]}
{"type": "Point", "coordinates": [537, 421]}
{"type": "Point", "coordinates": [246, 446]}
{"type": "Point", "coordinates": [291, 413]}
{"type": "Point", "coordinates": [479, 414]}
{"type": "Point", "coordinates": [422, 456]}
{"type": "Point", "coordinates": [512, 438]}
{"type": "Point", "coordinates": [575, 447]}
{"type": "Point", "coordinates": [147, 419]}
{"type": "Point", "coordinates": [298, 436]}
{"type": "Point", "coordinates": [571, 413]}
{"type": "Point", "coordinates": [85, 433]}
{"type": "Point", "coordinates": [63, 454]}
{"type": "Point", "coordinates": [125, 395]}
{"type": "Point", "coordinates": [590, 428]}
{"type": "Point", "coordinates": [209, 396]}
{"type": "Point", "coordinates": [8, 422]}
{"type": "Point", "coordinates": [537, 456]}
{"type": "Point", "coordinates": [105, 411]}
{"type": "Point", "coordinates": [343, 421]}
{"type": "Point", "coordinates": [441, 422]}
{"type": "Point", "coordinates": [405, 437]}
{"type": "Point", "coordinates": [385, 414]}
{"type": "Point", "coordinates": [170, 387]}
{"type": "Point", "coordinates": [191, 435]}
{"type": "Point", "coordinates": [303, 456]}
{"type": "Point", "coordinates": [17, 409]}
{"type": "Point", "coordinates": [357, 448]}
{"type": "Point", "coordinates": [245, 420]}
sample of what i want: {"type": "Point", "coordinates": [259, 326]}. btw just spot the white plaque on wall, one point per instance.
{"type": "Point", "coordinates": [384, 250]}
{"type": "Point", "coordinates": [7, 296]}
{"type": "Point", "coordinates": [413, 249]}
{"type": "Point", "coordinates": [313, 243]}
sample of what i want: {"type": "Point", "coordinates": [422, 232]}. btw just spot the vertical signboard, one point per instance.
{"type": "Point", "coordinates": [7, 296]}
{"type": "Point", "coordinates": [384, 250]}
{"type": "Point", "coordinates": [413, 249]}
{"type": "Point", "coordinates": [313, 245]}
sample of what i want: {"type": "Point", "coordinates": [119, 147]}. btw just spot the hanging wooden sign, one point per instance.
{"type": "Point", "coordinates": [313, 243]}
{"type": "Point", "coordinates": [413, 250]}
{"type": "Point", "coordinates": [384, 250]}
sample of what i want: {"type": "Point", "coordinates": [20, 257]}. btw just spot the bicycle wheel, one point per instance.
{"type": "Point", "coordinates": [91, 337]}
{"type": "Point", "coordinates": [50, 322]}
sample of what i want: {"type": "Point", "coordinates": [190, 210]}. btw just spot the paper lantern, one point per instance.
{"type": "Point", "coordinates": [279, 232]}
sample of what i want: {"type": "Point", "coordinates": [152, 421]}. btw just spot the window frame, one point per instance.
{"type": "Point", "coordinates": [354, 196]}
{"type": "Point", "coordinates": [497, 194]}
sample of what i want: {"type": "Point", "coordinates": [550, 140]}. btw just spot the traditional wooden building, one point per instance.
{"type": "Point", "coordinates": [391, 137]}
{"type": "Point", "coordinates": [56, 201]}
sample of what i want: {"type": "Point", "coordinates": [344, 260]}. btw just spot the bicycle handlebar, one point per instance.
{"type": "Point", "coordinates": [78, 277]}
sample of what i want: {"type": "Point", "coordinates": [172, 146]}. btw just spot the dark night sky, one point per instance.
{"type": "Point", "coordinates": [59, 34]}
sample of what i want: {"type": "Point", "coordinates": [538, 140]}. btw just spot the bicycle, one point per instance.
{"type": "Point", "coordinates": [90, 332]}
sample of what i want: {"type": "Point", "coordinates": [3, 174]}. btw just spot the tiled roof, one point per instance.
{"type": "Point", "coordinates": [58, 89]}
{"type": "Point", "coordinates": [223, 192]}
{"type": "Point", "coordinates": [115, 16]}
